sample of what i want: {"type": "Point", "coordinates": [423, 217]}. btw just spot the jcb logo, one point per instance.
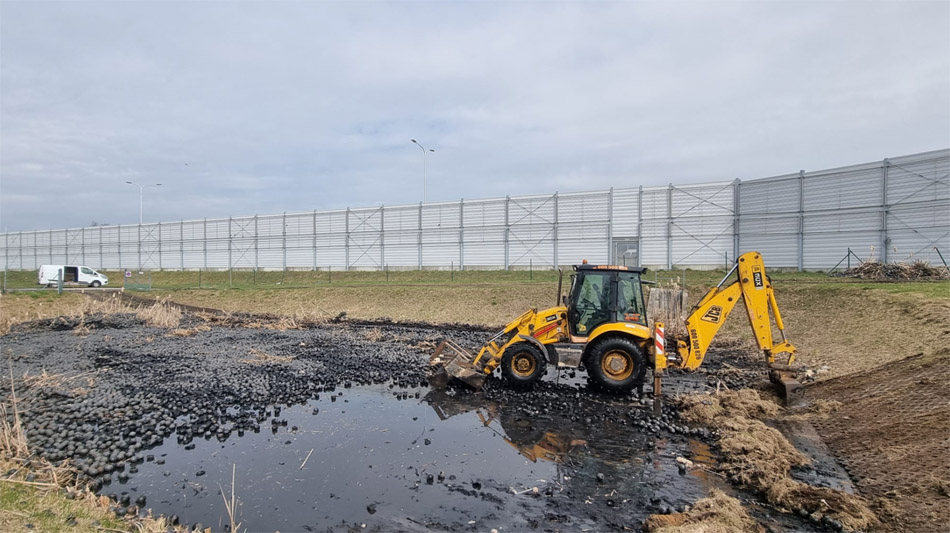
{"type": "Point", "coordinates": [714, 314]}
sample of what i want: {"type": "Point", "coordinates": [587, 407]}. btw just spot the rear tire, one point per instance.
{"type": "Point", "coordinates": [615, 365]}
{"type": "Point", "coordinates": [523, 365]}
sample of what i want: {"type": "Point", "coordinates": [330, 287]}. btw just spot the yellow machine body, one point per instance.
{"type": "Point", "coordinates": [621, 331]}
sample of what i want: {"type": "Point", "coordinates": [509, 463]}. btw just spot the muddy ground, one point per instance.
{"type": "Point", "coordinates": [334, 427]}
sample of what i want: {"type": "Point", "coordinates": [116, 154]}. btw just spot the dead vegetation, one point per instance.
{"type": "Point", "coordinates": [161, 314]}
{"type": "Point", "coordinates": [758, 457]}
{"type": "Point", "coordinates": [188, 332]}
{"type": "Point", "coordinates": [263, 358]}
{"type": "Point", "coordinates": [914, 271]}
{"type": "Point", "coordinates": [718, 513]}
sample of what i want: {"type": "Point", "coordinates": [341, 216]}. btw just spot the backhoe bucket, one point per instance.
{"type": "Point", "coordinates": [789, 388]}
{"type": "Point", "coordinates": [452, 361]}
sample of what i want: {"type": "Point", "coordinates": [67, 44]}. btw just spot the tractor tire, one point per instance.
{"type": "Point", "coordinates": [523, 365]}
{"type": "Point", "coordinates": [615, 365]}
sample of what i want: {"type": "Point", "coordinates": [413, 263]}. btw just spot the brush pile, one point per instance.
{"type": "Point", "coordinates": [914, 271]}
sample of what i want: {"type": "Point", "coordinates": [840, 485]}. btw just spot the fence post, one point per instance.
{"type": "Point", "coordinates": [507, 230]}
{"type": "Point", "coordinates": [230, 267]}
{"type": "Point", "coordinates": [640, 226]}
{"type": "Point", "coordinates": [736, 221]}
{"type": "Point", "coordinates": [159, 248]}
{"type": "Point", "coordinates": [283, 234]}
{"type": "Point", "coordinates": [419, 236]}
{"type": "Point", "coordinates": [256, 252]}
{"type": "Point", "coordinates": [382, 235]}
{"type": "Point", "coordinates": [610, 226]}
{"type": "Point", "coordinates": [669, 227]}
{"type": "Point", "coordinates": [555, 229]}
{"type": "Point", "coordinates": [204, 243]}
{"type": "Point", "coordinates": [314, 240]}
{"type": "Point", "coordinates": [102, 261]}
{"type": "Point", "coordinates": [181, 242]}
{"type": "Point", "coordinates": [885, 241]}
{"type": "Point", "coordinates": [801, 220]}
{"type": "Point", "coordinates": [346, 245]}
{"type": "Point", "coordinates": [461, 233]}
{"type": "Point", "coordinates": [139, 247]}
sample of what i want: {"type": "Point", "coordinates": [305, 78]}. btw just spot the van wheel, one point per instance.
{"type": "Point", "coordinates": [96, 284]}
{"type": "Point", "coordinates": [615, 365]}
{"type": "Point", "coordinates": [523, 365]}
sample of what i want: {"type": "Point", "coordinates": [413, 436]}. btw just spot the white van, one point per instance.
{"type": "Point", "coordinates": [72, 275]}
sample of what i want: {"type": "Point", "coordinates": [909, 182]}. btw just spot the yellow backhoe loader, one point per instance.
{"type": "Point", "coordinates": [602, 325]}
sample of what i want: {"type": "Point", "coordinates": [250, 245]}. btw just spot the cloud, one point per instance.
{"type": "Point", "coordinates": [243, 108]}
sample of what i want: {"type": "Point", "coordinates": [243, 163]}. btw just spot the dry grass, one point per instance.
{"type": "Point", "coordinates": [231, 504]}
{"type": "Point", "coordinates": [491, 305]}
{"type": "Point", "coordinates": [189, 331]}
{"type": "Point", "coordinates": [717, 513]}
{"type": "Point", "coordinates": [374, 335]}
{"type": "Point", "coordinates": [17, 308]}
{"type": "Point", "coordinates": [161, 314]}
{"type": "Point", "coordinates": [758, 457]}
{"type": "Point", "coordinates": [13, 441]}
{"type": "Point", "coordinates": [262, 358]}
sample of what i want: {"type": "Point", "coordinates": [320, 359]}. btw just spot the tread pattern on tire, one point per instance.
{"type": "Point", "coordinates": [515, 380]}
{"type": "Point", "coordinates": [592, 363]}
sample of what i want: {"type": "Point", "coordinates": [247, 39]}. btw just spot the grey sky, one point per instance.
{"type": "Point", "coordinates": [244, 108]}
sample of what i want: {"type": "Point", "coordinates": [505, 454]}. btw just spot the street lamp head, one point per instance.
{"type": "Point", "coordinates": [130, 183]}
{"type": "Point", "coordinates": [158, 184]}
{"type": "Point", "coordinates": [431, 150]}
{"type": "Point", "coordinates": [413, 140]}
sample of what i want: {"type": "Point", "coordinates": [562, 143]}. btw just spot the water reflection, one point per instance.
{"type": "Point", "coordinates": [388, 461]}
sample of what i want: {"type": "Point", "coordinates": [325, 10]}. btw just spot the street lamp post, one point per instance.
{"type": "Point", "coordinates": [424, 178]}
{"type": "Point", "coordinates": [141, 190]}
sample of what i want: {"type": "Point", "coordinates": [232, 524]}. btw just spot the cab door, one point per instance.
{"type": "Point", "coordinates": [592, 298]}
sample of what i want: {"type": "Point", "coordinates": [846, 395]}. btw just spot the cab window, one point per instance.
{"type": "Point", "coordinates": [87, 270]}
{"type": "Point", "coordinates": [591, 301]}
{"type": "Point", "coordinates": [630, 299]}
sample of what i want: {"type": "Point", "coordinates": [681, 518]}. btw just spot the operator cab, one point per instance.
{"type": "Point", "coordinates": [602, 294]}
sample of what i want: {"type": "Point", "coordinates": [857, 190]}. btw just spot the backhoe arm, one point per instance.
{"type": "Point", "coordinates": [755, 289]}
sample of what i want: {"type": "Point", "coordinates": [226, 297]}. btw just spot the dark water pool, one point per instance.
{"type": "Point", "coordinates": [373, 458]}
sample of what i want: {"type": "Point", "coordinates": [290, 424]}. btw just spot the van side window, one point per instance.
{"type": "Point", "coordinates": [86, 270]}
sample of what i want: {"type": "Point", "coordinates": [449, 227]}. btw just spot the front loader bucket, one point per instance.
{"type": "Point", "coordinates": [452, 361]}
{"type": "Point", "coordinates": [789, 388]}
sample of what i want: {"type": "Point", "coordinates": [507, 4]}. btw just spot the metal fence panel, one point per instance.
{"type": "Point", "coordinates": [897, 209]}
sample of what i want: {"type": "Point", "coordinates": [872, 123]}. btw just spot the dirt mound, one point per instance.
{"type": "Point", "coordinates": [759, 457]}
{"type": "Point", "coordinates": [915, 271]}
{"type": "Point", "coordinates": [718, 513]}
{"type": "Point", "coordinates": [898, 456]}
